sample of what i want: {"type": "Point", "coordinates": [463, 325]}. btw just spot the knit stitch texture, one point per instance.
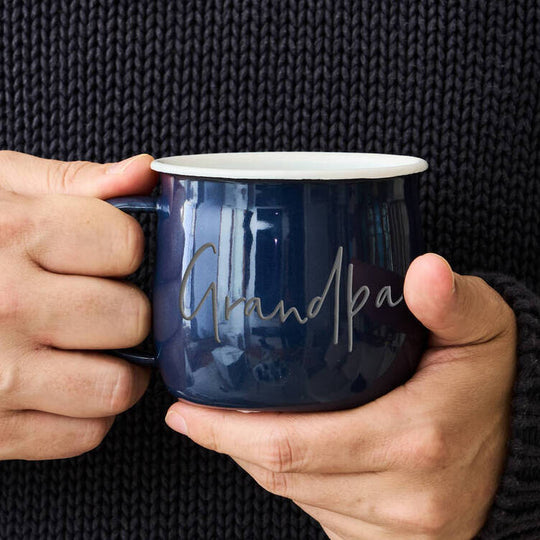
{"type": "Point", "coordinates": [516, 510]}
{"type": "Point", "coordinates": [455, 82]}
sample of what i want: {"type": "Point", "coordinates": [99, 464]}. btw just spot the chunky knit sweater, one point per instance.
{"type": "Point", "coordinates": [453, 81]}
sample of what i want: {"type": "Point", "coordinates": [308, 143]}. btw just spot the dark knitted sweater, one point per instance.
{"type": "Point", "coordinates": [454, 82]}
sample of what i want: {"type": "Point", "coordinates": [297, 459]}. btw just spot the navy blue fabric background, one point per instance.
{"type": "Point", "coordinates": [454, 82]}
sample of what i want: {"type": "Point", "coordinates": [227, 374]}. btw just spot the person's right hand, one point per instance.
{"type": "Point", "coordinates": [60, 247]}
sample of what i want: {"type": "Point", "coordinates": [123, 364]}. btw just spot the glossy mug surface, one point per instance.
{"type": "Point", "coordinates": [279, 278]}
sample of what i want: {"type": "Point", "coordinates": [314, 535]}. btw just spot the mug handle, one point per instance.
{"type": "Point", "coordinates": [136, 204]}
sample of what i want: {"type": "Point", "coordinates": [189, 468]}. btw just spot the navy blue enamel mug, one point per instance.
{"type": "Point", "coordinates": [279, 278]}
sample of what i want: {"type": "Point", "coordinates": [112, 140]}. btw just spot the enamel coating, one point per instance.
{"type": "Point", "coordinates": [283, 295]}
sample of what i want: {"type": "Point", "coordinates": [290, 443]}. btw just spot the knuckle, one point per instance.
{"type": "Point", "coordinates": [426, 515]}
{"type": "Point", "coordinates": [278, 454]}
{"type": "Point", "coordinates": [60, 175]}
{"type": "Point", "coordinates": [9, 380]}
{"type": "Point", "coordinates": [210, 439]}
{"type": "Point", "coordinates": [423, 515]}
{"type": "Point", "coordinates": [428, 448]}
{"type": "Point", "coordinates": [119, 395]}
{"type": "Point", "coordinates": [16, 222]}
{"type": "Point", "coordinates": [208, 436]}
{"type": "Point", "coordinates": [10, 302]}
{"type": "Point", "coordinates": [92, 434]}
{"type": "Point", "coordinates": [274, 482]}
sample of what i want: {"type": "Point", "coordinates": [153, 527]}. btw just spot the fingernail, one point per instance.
{"type": "Point", "coordinates": [121, 166]}
{"type": "Point", "coordinates": [176, 422]}
{"type": "Point", "coordinates": [451, 272]}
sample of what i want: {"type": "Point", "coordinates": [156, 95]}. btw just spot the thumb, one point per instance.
{"type": "Point", "coordinates": [30, 175]}
{"type": "Point", "coordinates": [458, 310]}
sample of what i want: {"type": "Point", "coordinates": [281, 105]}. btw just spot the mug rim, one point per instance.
{"type": "Point", "coordinates": [290, 165]}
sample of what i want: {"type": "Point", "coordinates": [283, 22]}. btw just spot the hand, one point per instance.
{"type": "Point", "coordinates": [58, 247]}
{"type": "Point", "coordinates": [422, 461]}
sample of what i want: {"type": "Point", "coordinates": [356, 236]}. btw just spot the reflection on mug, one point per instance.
{"type": "Point", "coordinates": [289, 293]}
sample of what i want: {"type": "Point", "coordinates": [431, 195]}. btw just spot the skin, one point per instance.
{"type": "Point", "coordinates": [422, 462]}
{"type": "Point", "coordinates": [62, 252]}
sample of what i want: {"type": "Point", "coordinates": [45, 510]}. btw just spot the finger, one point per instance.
{"type": "Point", "coordinates": [339, 527]}
{"type": "Point", "coordinates": [363, 439]}
{"type": "Point", "coordinates": [32, 175]}
{"type": "Point", "coordinates": [390, 500]}
{"type": "Point", "coordinates": [36, 435]}
{"type": "Point", "coordinates": [80, 312]}
{"type": "Point", "coordinates": [360, 496]}
{"type": "Point", "coordinates": [86, 236]}
{"type": "Point", "coordinates": [73, 383]}
{"type": "Point", "coordinates": [457, 309]}
{"type": "Point", "coordinates": [404, 514]}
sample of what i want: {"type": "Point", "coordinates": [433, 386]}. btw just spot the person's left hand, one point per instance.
{"type": "Point", "coordinates": [422, 462]}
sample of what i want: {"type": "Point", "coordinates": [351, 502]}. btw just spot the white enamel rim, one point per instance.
{"type": "Point", "coordinates": [290, 165]}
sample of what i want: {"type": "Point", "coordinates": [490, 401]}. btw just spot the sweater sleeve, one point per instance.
{"type": "Point", "coordinates": [515, 513]}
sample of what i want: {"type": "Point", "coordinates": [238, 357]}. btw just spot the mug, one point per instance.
{"type": "Point", "coordinates": [278, 282]}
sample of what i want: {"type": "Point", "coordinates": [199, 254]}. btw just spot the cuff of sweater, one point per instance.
{"type": "Point", "coordinates": [515, 512]}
